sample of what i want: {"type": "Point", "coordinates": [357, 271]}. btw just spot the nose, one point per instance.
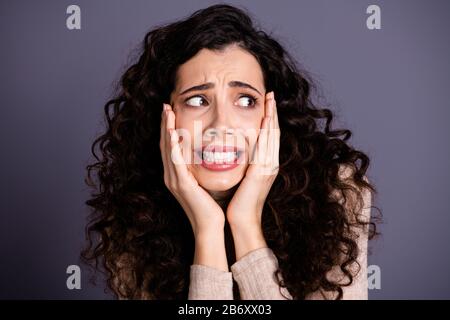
{"type": "Point", "coordinates": [221, 124]}
{"type": "Point", "coordinates": [218, 132]}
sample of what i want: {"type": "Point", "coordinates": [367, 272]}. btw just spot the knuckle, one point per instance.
{"type": "Point", "coordinates": [171, 186]}
{"type": "Point", "coordinates": [166, 181]}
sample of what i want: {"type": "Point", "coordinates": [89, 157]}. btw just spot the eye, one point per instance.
{"type": "Point", "coordinates": [245, 101]}
{"type": "Point", "coordinates": [248, 101]}
{"type": "Point", "coordinates": [194, 101]}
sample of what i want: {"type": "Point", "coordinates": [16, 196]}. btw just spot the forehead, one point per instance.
{"type": "Point", "coordinates": [233, 63]}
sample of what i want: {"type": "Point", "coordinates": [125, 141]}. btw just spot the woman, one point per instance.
{"type": "Point", "coordinates": [213, 161]}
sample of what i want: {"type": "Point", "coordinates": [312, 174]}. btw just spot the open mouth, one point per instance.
{"type": "Point", "coordinates": [219, 157]}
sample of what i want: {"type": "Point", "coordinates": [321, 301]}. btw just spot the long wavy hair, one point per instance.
{"type": "Point", "coordinates": [138, 235]}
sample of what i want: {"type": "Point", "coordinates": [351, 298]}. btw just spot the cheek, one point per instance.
{"type": "Point", "coordinates": [252, 127]}
{"type": "Point", "coordinates": [185, 128]}
{"type": "Point", "coordinates": [183, 119]}
{"type": "Point", "coordinates": [252, 118]}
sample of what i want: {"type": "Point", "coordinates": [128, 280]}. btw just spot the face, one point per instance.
{"type": "Point", "coordinates": [218, 102]}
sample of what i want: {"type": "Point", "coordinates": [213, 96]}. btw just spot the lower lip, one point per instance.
{"type": "Point", "coordinates": [221, 166]}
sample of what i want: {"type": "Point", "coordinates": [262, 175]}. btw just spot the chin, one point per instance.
{"type": "Point", "coordinates": [216, 181]}
{"type": "Point", "coordinates": [219, 182]}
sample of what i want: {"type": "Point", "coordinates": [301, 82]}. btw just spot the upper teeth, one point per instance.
{"type": "Point", "coordinates": [219, 156]}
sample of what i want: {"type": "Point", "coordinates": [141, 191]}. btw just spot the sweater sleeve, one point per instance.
{"type": "Point", "coordinates": [254, 274]}
{"type": "Point", "coordinates": [207, 283]}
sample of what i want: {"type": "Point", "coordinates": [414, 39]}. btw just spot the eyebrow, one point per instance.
{"type": "Point", "coordinates": [209, 85]}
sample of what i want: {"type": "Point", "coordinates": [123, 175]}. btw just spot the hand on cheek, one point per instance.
{"type": "Point", "coordinates": [204, 214]}
{"type": "Point", "coordinates": [245, 208]}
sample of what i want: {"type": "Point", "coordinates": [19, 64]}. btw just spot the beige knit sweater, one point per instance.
{"type": "Point", "coordinates": [254, 273]}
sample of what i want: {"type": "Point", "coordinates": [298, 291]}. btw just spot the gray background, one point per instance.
{"type": "Point", "coordinates": [389, 86]}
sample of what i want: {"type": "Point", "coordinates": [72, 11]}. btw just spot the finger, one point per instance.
{"type": "Point", "coordinates": [178, 165]}
{"type": "Point", "coordinates": [269, 113]}
{"type": "Point", "coordinates": [175, 149]}
{"type": "Point", "coordinates": [277, 135]}
{"type": "Point", "coordinates": [273, 150]}
{"type": "Point", "coordinates": [277, 152]}
{"type": "Point", "coordinates": [255, 156]}
{"type": "Point", "coordinates": [272, 113]}
{"type": "Point", "coordinates": [169, 143]}
{"type": "Point", "coordinates": [272, 133]}
{"type": "Point", "coordinates": [261, 145]}
{"type": "Point", "coordinates": [274, 119]}
{"type": "Point", "coordinates": [275, 112]}
{"type": "Point", "coordinates": [270, 139]}
{"type": "Point", "coordinates": [169, 126]}
{"type": "Point", "coordinates": [163, 134]}
{"type": "Point", "coordinates": [275, 132]}
{"type": "Point", "coordinates": [165, 144]}
{"type": "Point", "coordinates": [267, 109]}
{"type": "Point", "coordinates": [271, 167]}
{"type": "Point", "coordinates": [170, 118]}
{"type": "Point", "coordinates": [274, 140]}
{"type": "Point", "coordinates": [275, 146]}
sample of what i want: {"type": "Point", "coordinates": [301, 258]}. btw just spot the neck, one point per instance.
{"type": "Point", "coordinates": [223, 197]}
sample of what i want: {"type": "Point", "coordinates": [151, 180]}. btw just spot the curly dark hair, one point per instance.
{"type": "Point", "coordinates": [139, 236]}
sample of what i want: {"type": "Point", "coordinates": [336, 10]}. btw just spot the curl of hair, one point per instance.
{"type": "Point", "coordinates": [138, 234]}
